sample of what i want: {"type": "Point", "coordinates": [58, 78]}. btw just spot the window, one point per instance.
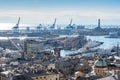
{"type": "Point", "coordinates": [44, 77]}
{"type": "Point", "coordinates": [40, 77]}
{"type": "Point", "coordinates": [36, 77]}
{"type": "Point", "coordinates": [98, 70]}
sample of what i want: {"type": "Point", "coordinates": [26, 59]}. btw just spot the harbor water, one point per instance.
{"type": "Point", "coordinates": [108, 43]}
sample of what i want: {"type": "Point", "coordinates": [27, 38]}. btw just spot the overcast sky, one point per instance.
{"type": "Point", "coordinates": [45, 11]}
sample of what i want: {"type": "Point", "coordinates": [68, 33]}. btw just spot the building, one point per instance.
{"type": "Point", "coordinates": [100, 67]}
{"type": "Point", "coordinates": [33, 46]}
{"type": "Point", "coordinates": [57, 51]}
{"type": "Point", "coordinates": [20, 77]}
{"type": "Point", "coordinates": [45, 75]}
{"type": "Point", "coordinates": [80, 27]}
{"type": "Point", "coordinates": [66, 67]}
{"type": "Point", "coordinates": [51, 66]}
{"type": "Point", "coordinates": [4, 75]}
{"type": "Point", "coordinates": [78, 74]}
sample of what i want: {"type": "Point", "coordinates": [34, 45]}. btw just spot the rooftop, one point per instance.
{"type": "Point", "coordinates": [100, 63]}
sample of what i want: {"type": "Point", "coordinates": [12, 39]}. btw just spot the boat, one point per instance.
{"type": "Point", "coordinates": [113, 35]}
{"type": "Point", "coordinates": [88, 48]}
{"type": "Point", "coordinates": [92, 44]}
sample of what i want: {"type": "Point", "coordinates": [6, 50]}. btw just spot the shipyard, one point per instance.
{"type": "Point", "coordinates": [59, 40]}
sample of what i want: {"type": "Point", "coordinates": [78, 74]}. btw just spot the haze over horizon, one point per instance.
{"type": "Point", "coordinates": [45, 11]}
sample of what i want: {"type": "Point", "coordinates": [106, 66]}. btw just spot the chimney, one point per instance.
{"type": "Point", "coordinates": [118, 49]}
{"type": "Point", "coordinates": [99, 23]}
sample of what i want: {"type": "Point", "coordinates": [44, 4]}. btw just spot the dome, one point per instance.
{"type": "Point", "coordinates": [100, 63]}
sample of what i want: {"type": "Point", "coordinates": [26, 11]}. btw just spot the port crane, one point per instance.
{"type": "Point", "coordinates": [70, 23]}
{"type": "Point", "coordinates": [16, 27]}
{"type": "Point", "coordinates": [70, 26]}
{"type": "Point", "coordinates": [39, 27]}
{"type": "Point", "coordinates": [53, 25]}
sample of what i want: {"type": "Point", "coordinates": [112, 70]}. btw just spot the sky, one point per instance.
{"type": "Point", "coordinates": [45, 11]}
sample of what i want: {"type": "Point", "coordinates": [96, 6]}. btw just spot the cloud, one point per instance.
{"type": "Point", "coordinates": [47, 16]}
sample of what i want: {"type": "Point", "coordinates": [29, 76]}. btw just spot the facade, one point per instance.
{"type": "Point", "coordinates": [33, 46]}
{"type": "Point", "coordinates": [57, 51]}
{"type": "Point", "coordinates": [66, 67]}
{"type": "Point", "coordinates": [46, 77]}
{"type": "Point", "coordinates": [51, 66]}
{"type": "Point", "coordinates": [100, 67]}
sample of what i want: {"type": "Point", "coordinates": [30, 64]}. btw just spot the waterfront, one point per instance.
{"type": "Point", "coordinates": [108, 43]}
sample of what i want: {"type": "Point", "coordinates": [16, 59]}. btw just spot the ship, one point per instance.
{"type": "Point", "coordinates": [93, 44]}
{"type": "Point", "coordinates": [88, 48]}
{"type": "Point", "coordinates": [113, 35]}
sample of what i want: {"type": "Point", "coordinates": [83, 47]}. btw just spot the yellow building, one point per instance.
{"type": "Point", "coordinates": [51, 66]}
{"type": "Point", "coordinates": [100, 67]}
{"type": "Point", "coordinates": [51, 76]}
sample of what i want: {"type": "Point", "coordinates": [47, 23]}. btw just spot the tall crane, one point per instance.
{"type": "Point", "coordinates": [70, 23]}
{"type": "Point", "coordinates": [16, 27]}
{"type": "Point", "coordinates": [53, 25]}
{"type": "Point", "coordinates": [70, 26]}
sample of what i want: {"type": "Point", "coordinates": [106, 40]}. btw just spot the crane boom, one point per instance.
{"type": "Point", "coordinates": [18, 22]}
{"type": "Point", "coordinates": [53, 25]}
{"type": "Point", "coordinates": [14, 44]}
{"type": "Point", "coordinates": [54, 22]}
{"type": "Point", "coordinates": [70, 22]}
